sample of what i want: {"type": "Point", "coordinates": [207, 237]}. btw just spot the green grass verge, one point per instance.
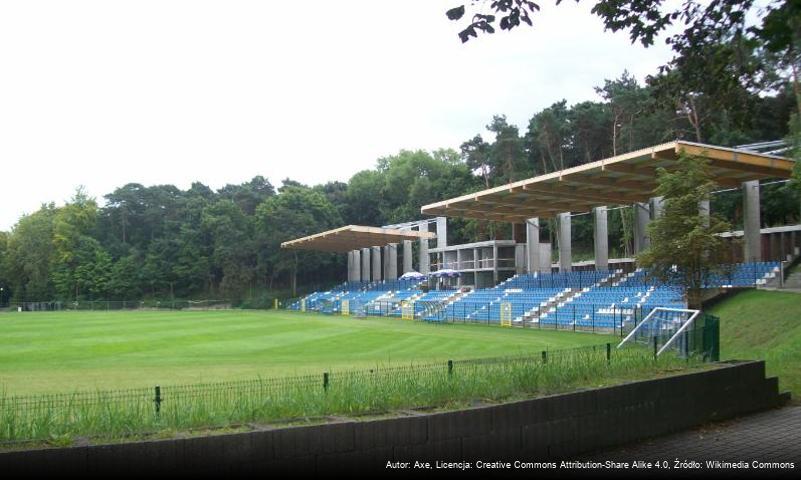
{"type": "Point", "coordinates": [764, 325]}
{"type": "Point", "coordinates": [59, 419]}
{"type": "Point", "coordinates": [68, 351]}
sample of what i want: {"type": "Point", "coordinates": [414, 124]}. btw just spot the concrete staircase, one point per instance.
{"type": "Point", "coordinates": [440, 306]}
{"type": "Point", "coordinates": [568, 295]}
{"type": "Point", "coordinates": [533, 315]}
{"type": "Point", "coordinates": [793, 282]}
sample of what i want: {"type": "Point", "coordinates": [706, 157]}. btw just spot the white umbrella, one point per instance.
{"type": "Point", "coordinates": [412, 275]}
{"type": "Point", "coordinates": [446, 272]}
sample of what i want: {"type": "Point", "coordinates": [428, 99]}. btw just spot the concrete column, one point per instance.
{"type": "Point", "coordinates": [532, 245]}
{"type": "Point", "coordinates": [376, 264]}
{"type": "Point", "coordinates": [494, 263]}
{"type": "Point", "coordinates": [365, 264]}
{"type": "Point", "coordinates": [392, 271]}
{"type": "Point", "coordinates": [442, 232]}
{"type": "Point", "coordinates": [407, 256]}
{"type": "Point", "coordinates": [657, 205]}
{"type": "Point", "coordinates": [357, 266]}
{"type": "Point", "coordinates": [564, 237]}
{"type": "Point", "coordinates": [423, 262]}
{"type": "Point", "coordinates": [385, 262]}
{"type": "Point", "coordinates": [601, 238]}
{"type": "Point", "coordinates": [752, 245]}
{"type": "Point", "coordinates": [350, 266]}
{"type": "Point", "coordinates": [642, 216]}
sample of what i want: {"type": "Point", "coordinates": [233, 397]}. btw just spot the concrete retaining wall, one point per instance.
{"type": "Point", "coordinates": [545, 428]}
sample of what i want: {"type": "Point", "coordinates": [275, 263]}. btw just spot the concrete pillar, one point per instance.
{"type": "Point", "coordinates": [357, 266]}
{"type": "Point", "coordinates": [752, 245]}
{"type": "Point", "coordinates": [642, 216]}
{"type": "Point", "coordinates": [392, 271]}
{"type": "Point", "coordinates": [365, 264]}
{"type": "Point", "coordinates": [376, 257]}
{"type": "Point", "coordinates": [494, 263]}
{"type": "Point", "coordinates": [423, 261]}
{"type": "Point", "coordinates": [533, 245]}
{"type": "Point", "coordinates": [385, 262]}
{"type": "Point", "coordinates": [407, 256]}
{"type": "Point", "coordinates": [442, 232]}
{"type": "Point", "coordinates": [657, 205]}
{"type": "Point", "coordinates": [600, 238]}
{"type": "Point", "coordinates": [564, 238]}
{"type": "Point", "coordinates": [350, 266]}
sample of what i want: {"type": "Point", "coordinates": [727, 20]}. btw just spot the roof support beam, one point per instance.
{"type": "Point", "coordinates": [585, 195]}
{"type": "Point", "coordinates": [620, 180]}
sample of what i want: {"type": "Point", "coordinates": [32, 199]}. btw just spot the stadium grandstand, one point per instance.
{"type": "Point", "coordinates": [514, 282]}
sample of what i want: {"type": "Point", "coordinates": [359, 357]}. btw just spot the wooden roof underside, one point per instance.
{"type": "Point", "coordinates": [620, 180]}
{"type": "Point", "coordinates": [353, 237]}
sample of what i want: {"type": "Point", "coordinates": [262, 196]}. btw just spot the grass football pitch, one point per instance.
{"type": "Point", "coordinates": [69, 351]}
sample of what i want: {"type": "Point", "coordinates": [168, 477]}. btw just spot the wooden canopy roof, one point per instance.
{"type": "Point", "coordinates": [351, 237]}
{"type": "Point", "coordinates": [619, 180]}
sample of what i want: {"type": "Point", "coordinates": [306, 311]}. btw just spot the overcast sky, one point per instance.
{"type": "Point", "coordinates": [103, 93]}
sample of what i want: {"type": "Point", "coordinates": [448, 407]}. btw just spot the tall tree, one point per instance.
{"type": "Point", "coordinates": [29, 253]}
{"type": "Point", "coordinates": [627, 102]}
{"type": "Point", "coordinates": [685, 242]}
{"type": "Point", "coordinates": [295, 212]}
{"type": "Point", "coordinates": [476, 155]}
{"type": "Point", "coordinates": [506, 153]}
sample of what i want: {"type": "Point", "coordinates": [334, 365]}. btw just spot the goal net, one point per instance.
{"type": "Point", "coordinates": [665, 329]}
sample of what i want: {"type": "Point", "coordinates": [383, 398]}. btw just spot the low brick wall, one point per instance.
{"type": "Point", "coordinates": [552, 427]}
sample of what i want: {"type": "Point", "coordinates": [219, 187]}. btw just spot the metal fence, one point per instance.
{"type": "Point", "coordinates": [601, 318]}
{"type": "Point", "coordinates": [143, 410]}
{"type": "Point", "coordinates": [683, 331]}
{"type": "Point", "coordinates": [101, 305]}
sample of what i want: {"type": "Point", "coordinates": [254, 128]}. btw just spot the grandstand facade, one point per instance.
{"type": "Point", "coordinates": [515, 280]}
{"type": "Point", "coordinates": [591, 300]}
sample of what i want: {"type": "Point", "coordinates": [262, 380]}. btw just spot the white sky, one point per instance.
{"type": "Point", "coordinates": [103, 93]}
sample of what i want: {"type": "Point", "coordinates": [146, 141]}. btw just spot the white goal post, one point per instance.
{"type": "Point", "coordinates": [655, 317]}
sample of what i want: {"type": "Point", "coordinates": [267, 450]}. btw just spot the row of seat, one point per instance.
{"type": "Point", "coordinates": [605, 299]}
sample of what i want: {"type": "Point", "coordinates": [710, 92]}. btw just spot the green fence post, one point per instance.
{"type": "Point", "coordinates": [325, 381]}
{"type": "Point", "coordinates": [157, 400]}
{"type": "Point", "coordinates": [544, 356]}
{"type": "Point", "coordinates": [656, 345]}
{"type": "Point", "coordinates": [450, 367]}
{"type": "Point", "coordinates": [608, 352]}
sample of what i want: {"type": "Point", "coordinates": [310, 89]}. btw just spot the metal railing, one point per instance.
{"type": "Point", "coordinates": [145, 410]}
{"type": "Point", "coordinates": [573, 316]}
{"type": "Point", "coordinates": [107, 305]}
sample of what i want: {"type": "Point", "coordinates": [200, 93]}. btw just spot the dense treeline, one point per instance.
{"type": "Point", "coordinates": [161, 241]}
